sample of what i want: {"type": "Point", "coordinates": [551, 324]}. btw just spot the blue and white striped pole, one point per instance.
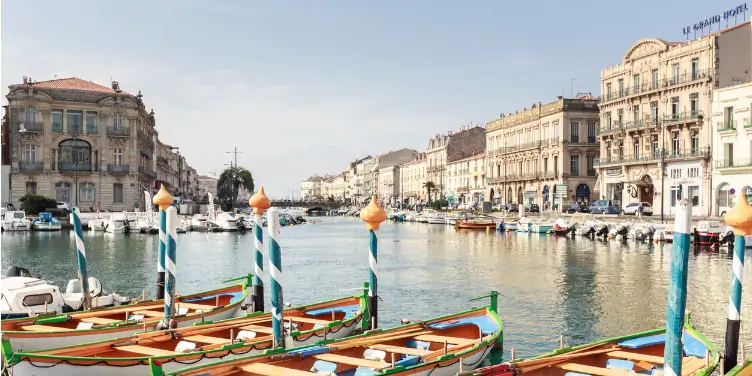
{"type": "Point", "coordinates": [740, 219]}
{"type": "Point", "coordinates": [677, 293]}
{"type": "Point", "coordinates": [81, 257]}
{"type": "Point", "coordinates": [259, 202]}
{"type": "Point", "coordinates": [164, 200]}
{"type": "Point", "coordinates": [170, 262]}
{"type": "Point", "coordinates": [275, 272]}
{"type": "Point", "coordinates": [373, 215]}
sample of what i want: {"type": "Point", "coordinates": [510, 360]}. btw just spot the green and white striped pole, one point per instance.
{"type": "Point", "coordinates": [373, 215]}
{"type": "Point", "coordinates": [259, 202]}
{"type": "Point", "coordinates": [275, 273]}
{"type": "Point", "coordinates": [164, 200]}
{"type": "Point", "coordinates": [677, 293]}
{"type": "Point", "coordinates": [81, 257]}
{"type": "Point", "coordinates": [170, 262]}
{"type": "Point", "coordinates": [738, 218]}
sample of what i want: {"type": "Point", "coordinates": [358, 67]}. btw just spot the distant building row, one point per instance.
{"type": "Point", "coordinates": [92, 146]}
{"type": "Point", "coordinates": [672, 122]}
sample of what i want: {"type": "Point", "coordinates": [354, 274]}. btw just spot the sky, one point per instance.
{"type": "Point", "coordinates": [304, 87]}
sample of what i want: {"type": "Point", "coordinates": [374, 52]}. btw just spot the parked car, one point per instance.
{"type": "Point", "coordinates": [577, 208]}
{"type": "Point", "coordinates": [604, 207]}
{"type": "Point", "coordinates": [532, 208]}
{"type": "Point", "coordinates": [634, 207]}
{"type": "Point", "coordinates": [512, 208]}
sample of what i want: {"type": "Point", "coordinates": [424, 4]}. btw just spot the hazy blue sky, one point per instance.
{"type": "Point", "coordinates": [303, 87]}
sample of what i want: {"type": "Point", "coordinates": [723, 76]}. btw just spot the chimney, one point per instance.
{"type": "Point", "coordinates": [559, 97]}
{"type": "Point", "coordinates": [115, 85]}
{"type": "Point", "coordinates": [26, 80]}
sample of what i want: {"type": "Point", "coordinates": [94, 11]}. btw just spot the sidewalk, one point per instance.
{"type": "Point", "coordinates": [610, 217]}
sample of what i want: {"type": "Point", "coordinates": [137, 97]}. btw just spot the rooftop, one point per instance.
{"type": "Point", "coordinates": [73, 83]}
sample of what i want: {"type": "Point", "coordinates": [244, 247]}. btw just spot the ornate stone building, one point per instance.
{"type": "Point", "coordinates": [545, 154]}
{"type": "Point", "coordinates": [451, 147]}
{"type": "Point", "coordinates": [82, 143]}
{"type": "Point", "coordinates": [466, 180]}
{"type": "Point", "coordinates": [413, 177]}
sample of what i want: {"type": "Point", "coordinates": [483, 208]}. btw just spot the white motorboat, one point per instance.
{"type": "Point", "coordinates": [97, 224]}
{"type": "Point", "coordinates": [16, 221]}
{"type": "Point", "coordinates": [119, 224]}
{"type": "Point", "coordinates": [436, 219]}
{"type": "Point", "coordinates": [523, 225]}
{"type": "Point", "coordinates": [541, 227]}
{"type": "Point", "coordinates": [45, 222]}
{"type": "Point", "coordinates": [24, 295]}
{"type": "Point", "coordinates": [183, 226]}
{"type": "Point", "coordinates": [227, 221]}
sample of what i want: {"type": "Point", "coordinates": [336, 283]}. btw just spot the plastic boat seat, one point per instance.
{"type": "Point", "coordinates": [372, 354]}
{"type": "Point", "coordinates": [324, 367]}
{"type": "Point", "coordinates": [245, 335]}
{"type": "Point", "coordinates": [407, 361]}
{"type": "Point", "coordinates": [626, 365]}
{"type": "Point", "coordinates": [420, 345]}
{"type": "Point", "coordinates": [185, 346]}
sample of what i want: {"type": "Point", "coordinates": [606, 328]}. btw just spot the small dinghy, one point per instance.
{"type": "Point", "coordinates": [634, 354]}
{"type": "Point", "coordinates": [31, 334]}
{"type": "Point", "coordinates": [475, 224]}
{"type": "Point", "coordinates": [199, 344]}
{"type": "Point", "coordinates": [438, 347]}
{"type": "Point", "coordinates": [45, 222]}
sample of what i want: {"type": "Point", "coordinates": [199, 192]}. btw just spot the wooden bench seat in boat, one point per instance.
{"type": "Point", "coordinates": [692, 365]}
{"type": "Point", "coordinates": [112, 311]}
{"type": "Point", "coordinates": [149, 313]}
{"type": "Point", "coordinates": [207, 339]}
{"type": "Point", "coordinates": [400, 350]}
{"type": "Point", "coordinates": [360, 362]}
{"type": "Point", "coordinates": [144, 350]}
{"type": "Point", "coordinates": [258, 328]}
{"type": "Point", "coordinates": [43, 328]}
{"type": "Point", "coordinates": [306, 320]}
{"type": "Point", "coordinates": [99, 320]}
{"type": "Point", "coordinates": [196, 306]}
{"type": "Point", "coordinates": [441, 339]}
{"type": "Point", "coordinates": [590, 370]}
{"type": "Point", "coordinates": [272, 370]}
{"type": "Point", "coordinates": [635, 356]}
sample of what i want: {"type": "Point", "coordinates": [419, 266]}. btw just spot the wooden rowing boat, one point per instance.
{"type": "Point", "coordinates": [744, 369]}
{"type": "Point", "coordinates": [475, 225]}
{"type": "Point", "coordinates": [439, 347]}
{"type": "Point", "coordinates": [199, 344]}
{"type": "Point", "coordinates": [31, 334]}
{"type": "Point", "coordinates": [640, 353]}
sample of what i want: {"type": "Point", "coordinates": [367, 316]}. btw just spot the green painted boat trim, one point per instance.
{"type": "Point", "coordinates": [491, 312]}
{"type": "Point", "coordinates": [739, 367]}
{"type": "Point", "coordinates": [16, 357]}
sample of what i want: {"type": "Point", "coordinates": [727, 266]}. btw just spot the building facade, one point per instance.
{"type": "Point", "coordinates": [357, 170]}
{"type": "Point", "coordinates": [5, 157]}
{"type": "Point", "coordinates": [655, 108]}
{"type": "Point", "coordinates": [451, 147]}
{"type": "Point", "coordinates": [732, 155]}
{"type": "Point", "coordinates": [544, 155]}
{"type": "Point", "coordinates": [206, 184]}
{"type": "Point", "coordinates": [466, 180]}
{"type": "Point", "coordinates": [310, 189]}
{"type": "Point", "coordinates": [389, 185]}
{"type": "Point", "coordinates": [413, 177]}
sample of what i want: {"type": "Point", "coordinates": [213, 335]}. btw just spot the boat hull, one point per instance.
{"type": "Point", "coordinates": [540, 229]}
{"type": "Point", "coordinates": [475, 226]}
{"type": "Point", "coordinates": [708, 237]}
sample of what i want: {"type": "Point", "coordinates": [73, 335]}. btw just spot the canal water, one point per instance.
{"type": "Point", "coordinates": [549, 286]}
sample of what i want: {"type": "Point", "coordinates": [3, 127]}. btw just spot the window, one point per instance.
{"type": "Point", "coordinates": [37, 300]}
{"type": "Point", "coordinates": [92, 126]}
{"type": "Point", "coordinates": [117, 156]}
{"type": "Point", "coordinates": [74, 155]}
{"type": "Point", "coordinates": [608, 91]}
{"type": "Point", "coordinates": [675, 196]}
{"type": "Point", "coordinates": [556, 130]}
{"type": "Point", "coordinates": [545, 164]}
{"type": "Point", "coordinates": [75, 121]}
{"type": "Point", "coordinates": [590, 165]}
{"type": "Point", "coordinates": [675, 173]}
{"type": "Point", "coordinates": [608, 120]}
{"type": "Point", "coordinates": [636, 147]}
{"type": "Point", "coordinates": [694, 195]}
{"type": "Point", "coordinates": [575, 131]}
{"type": "Point", "coordinates": [675, 108]}
{"type": "Point", "coordinates": [695, 68]}
{"type": "Point", "coordinates": [636, 113]}
{"type": "Point", "coordinates": [621, 150]}
{"type": "Point", "coordinates": [118, 122]}
{"type": "Point", "coordinates": [620, 117]}
{"type": "Point", "coordinates": [63, 191]}
{"type": "Point", "coordinates": [30, 114]}
{"type": "Point", "coordinates": [608, 150]}
{"type": "Point", "coordinates": [528, 136]}
{"type": "Point", "coordinates": [654, 112]}
{"type": "Point", "coordinates": [86, 192]}
{"type": "Point", "coordinates": [574, 165]}
{"type": "Point", "coordinates": [694, 105]}
{"type": "Point", "coordinates": [31, 187]}
{"type": "Point", "coordinates": [675, 69]}
{"type": "Point", "coordinates": [30, 153]}
{"type": "Point", "coordinates": [556, 165]}
{"type": "Point", "coordinates": [694, 141]}
{"type": "Point", "coordinates": [636, 84]}
{"type": "Point", "coordinates": [728, 151]}
{"type": "Point", "coordinates": [57, 120]}
{"type": "Point", "coordinates": [693, 172]}
{"type": "Point", "coordinates": [654, 83]}
{"type": "Point", "coordinates": [728, 117]}
{"type": "Point", "coordinates": [592, 130]}
{"type": "Point", "coordinates": [621, 87]}
{"type": "Point", "coordinates": [675, 143]}
{"type": "Point", "coordinates": [656, 153]}
{"type": "Point", "coordinates": [545, 132]}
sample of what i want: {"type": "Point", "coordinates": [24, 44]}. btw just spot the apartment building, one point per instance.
{"type": "Point", "coordinates": [357, 170]}
{"type": "Point", "coordinates": [413, 177]}
{"type": "Point", "coordinates": [466, 180]}
{"type": "Point", "coordinates": [544, 155]}
{"type": "Point", "coordinates": [389, 185]}
{"type": "Point", "coordinates": [310, 189]}
{"type": "Point", "coordinates": [451, 147]}
{"type": "Point", "coordinates": [655, 112]}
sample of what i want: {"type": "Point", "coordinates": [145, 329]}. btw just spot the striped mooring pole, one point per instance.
{"type": "Point", "coordinates": [373, 215]}
{"type": "Point", "coordinates": [170, 268]}
{"type": "Point", "coordinates": [275, 273]}
{"type": "Point", "coordinates": [738, 218]}
{"type": "Point", "coordinates": [260, 203]}
{"type": "Point", "coordinates": [162, 200]}
{"type": "Point", "coordinates": [677, 293]}
{"type": "Point", "coordinates": [83, 276]}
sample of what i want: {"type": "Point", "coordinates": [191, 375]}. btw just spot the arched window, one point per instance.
{"type": "Point", "coordinates": [74, 155]}
{"type": "Point", "coordinates": [63, 191]}
{"type": "Point", "coordinates": [86, 192]}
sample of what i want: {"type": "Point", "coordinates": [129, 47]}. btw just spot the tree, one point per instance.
{"type": "Point", "coordinates": [231, 181]}
{"type": "Point", "coordinates": [429, 186]}
{"type": "Point", "coordinates": [35, 204]}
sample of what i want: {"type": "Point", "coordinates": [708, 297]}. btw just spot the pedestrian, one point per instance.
{"type": "Point", "coordinates": [640, 210]}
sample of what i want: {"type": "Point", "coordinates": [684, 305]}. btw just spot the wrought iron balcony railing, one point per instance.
{"type": "Point", "coordinates": [30, 126]}
{"type": "Point", "coordinates": [114, 168]}
{"type": "Point", "coordinates": [74, 167]}
{"type": "Point", "coordinates": [734, 163]}
{"type": "Point", "coordinates": [118, 131]}
{"type": "Point", "coordinates": [30, 166]}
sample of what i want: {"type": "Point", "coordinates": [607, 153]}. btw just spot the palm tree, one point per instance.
{"type": "Point", "coordinates": [230, 182]}
{"type": "Point", "coordinates": [429, 186]}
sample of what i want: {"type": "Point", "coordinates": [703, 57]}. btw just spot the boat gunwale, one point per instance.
{"type": "Point", "coordinates": [492, 339]}
{"type": "Point", "coordinates": [228, 347]}
{"type": "Point", "coordinates": [739, 367]}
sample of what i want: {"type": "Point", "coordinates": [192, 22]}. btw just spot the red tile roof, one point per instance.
{"type": "Point", "coordinates": [73, 83]}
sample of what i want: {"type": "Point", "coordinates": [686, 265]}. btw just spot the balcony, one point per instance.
{"type": "Point", "coordinates": [118, 131]}
{"type": "Point", "coordinates": [30, 166]}
{"type": "Point", "coordinates": [723, 126]}
{"type": "Point", "coordinates": [147, 171]}
{"type": "Point", "coordinates": [114, 168]}
{"type": "Point", "coordinates": [627, 159]}
{"type": "Point", "coordinates": [30, 126]}
{"type": "Point", "coordinates": [549, 175]}
{"type": "Point", "coordinates": [57, 128]}
{"type": "Point", "coordinates": [683, 117]}
{"type": "Point", "coordinates": [665, 83]}
{"type": "Point", "coordinates": [688, 153]}
{"type": "Point", "coordinates": [734, 163]}
{"type": "Point", "coordinates": [616, 127]}
{"type": "Point", "coordinates": [74, 167]}
{"type": "Point", "coordinates": [462, 190]}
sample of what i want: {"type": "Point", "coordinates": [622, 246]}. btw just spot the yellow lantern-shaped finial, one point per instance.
{"type": "Point", "coordinates": [740, 216]}
{"type": "Point", "coordinates": [163, 198]}
{"type": "Point", "coordinates": [259, 202]}
{"type": "Point", "coordinates": [373, 215]}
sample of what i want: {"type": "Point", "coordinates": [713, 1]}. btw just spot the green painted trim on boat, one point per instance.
{"type": "Point", "coordinates": [739, 367]}
{"type": "Point", "coordinates": [7, 349]}
{"type": "Point", "coordinates": [142, 358]}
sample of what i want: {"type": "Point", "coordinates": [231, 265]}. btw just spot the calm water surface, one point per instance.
{"type": "Point", "coordinates": [583, 289]}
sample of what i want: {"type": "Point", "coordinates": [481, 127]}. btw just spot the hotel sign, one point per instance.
{"type": "Point", "coordinates": [716, 19]}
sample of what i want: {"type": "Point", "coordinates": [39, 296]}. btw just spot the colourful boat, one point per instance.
{"type": "Point", "coordinates": [744, 369]}
{"type": "Point", "coordinates": [640, 353]}
{"type": "Point", "coordinates": [199, 344]}
{"type": "Point", "coordinates": [475, 225]}
{"type": "Point", "coordinates": [37, 333]}
{"type": "Point", "coordinates": [438, 347]}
